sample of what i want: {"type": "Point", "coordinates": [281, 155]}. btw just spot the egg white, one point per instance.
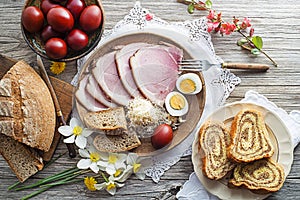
{"type": "Point", "coordinates": [172, 111]}
{"type": "Point", "coordinates": [192, 76]}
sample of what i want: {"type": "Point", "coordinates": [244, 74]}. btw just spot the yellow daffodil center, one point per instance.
{"type": "Point", "coordinates": [57, 67]}
{"type": "Point", "coordinates": [112, 159]}
{"type": "Point", "coordinates": [77, 130]}
{"type": "Point", "coordinates": [94, 157]}
{"type": "Point", "coordinates": [136, 167]}
{"type": "Point", "coordinates": [90, 183]}
{"type": "Point", "coordinates": [118, 172]}
{"type": "Point", "coordinates": [110, 186]}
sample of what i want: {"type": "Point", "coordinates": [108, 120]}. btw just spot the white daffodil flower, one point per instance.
{"type": "Point", "coordinates": [90, 158]}
{"type": "Point", "coordinates": [75, 133]}
{"type": "Point", "coordinates": [122, 175]}
{"type": "Point", "coordinates": [113, 162]}
{"type": "Point", "coordinates": [138, 164]}
{"type": "Point", "coordinates": [110, 185]}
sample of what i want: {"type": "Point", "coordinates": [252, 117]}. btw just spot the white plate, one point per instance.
{"type": "Point", "coordinates": [280, 139]}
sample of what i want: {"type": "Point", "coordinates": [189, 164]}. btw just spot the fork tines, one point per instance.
{"type": "Point", "coordinates": [191, 65]}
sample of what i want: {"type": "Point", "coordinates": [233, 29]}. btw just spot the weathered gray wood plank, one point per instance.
{"type": "Point", "coordinates": [277, 22]}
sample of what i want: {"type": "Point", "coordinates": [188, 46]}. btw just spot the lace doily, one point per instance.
{"type": "Point", "coordinates": [194, 36]}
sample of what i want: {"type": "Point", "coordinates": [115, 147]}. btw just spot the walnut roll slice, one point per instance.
{"type": "Point", "coordinates": [214, 139]}
{"type": "Point", "coordinates": [250, 138]}
{"type": "Point", "coordinates": [261, 176]}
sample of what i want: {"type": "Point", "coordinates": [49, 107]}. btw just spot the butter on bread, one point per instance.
{"type": "Point", "coordinates": [214, 140]}
{"type": "Point", "coordinates": [250, 138]}
{"type": "Point", "coordinates": [261, 176]}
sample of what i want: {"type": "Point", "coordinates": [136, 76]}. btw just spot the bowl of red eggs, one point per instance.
{"type": "Point", "coordinates": [62, 30]}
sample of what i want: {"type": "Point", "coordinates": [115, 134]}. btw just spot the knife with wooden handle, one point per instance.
{"type": "Point", "coordinates": [59, 115]}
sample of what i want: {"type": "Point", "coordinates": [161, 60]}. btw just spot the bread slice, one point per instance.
{"type": "Point", "coordinates": [27, 102]}
{"type": "Point", "coordinates": [250, 138]}
{"type": "Point", "coordinates": [261, 176]}
{"type": "Point", "coordinates": [23, 161]}
{"type": "Point", "coordinates": [116, 143]}
{"type": "Point", "coordinates": [107, 120]}
{"type": "Point", "coordinates": [214, 140]}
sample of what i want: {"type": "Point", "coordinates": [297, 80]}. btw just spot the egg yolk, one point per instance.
{"type": "Point", "coordinates": [187, 86]}
{"type": "Point", "coordinates": [177, 102]}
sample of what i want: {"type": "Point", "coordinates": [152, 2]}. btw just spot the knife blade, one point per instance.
{"type": "Point", "coordinates": [59, 115]}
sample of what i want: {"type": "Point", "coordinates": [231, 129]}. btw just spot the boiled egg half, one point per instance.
{"type": "Point", "coordinates": [176, 104]}
{"type": "Point", "coordinates": [189, 83]}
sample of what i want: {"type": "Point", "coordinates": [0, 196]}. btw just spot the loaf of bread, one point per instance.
{"type": "Point", "coordinates": [107, 120]}
{"type": "Point", "coordinates": [214, 140]}
{"type": "Point", "coordinates": [250, 138]}
{"type": "Point", "coordinates": [23, 161]}
{"type": "Point", "coordinates": [5, 87]}
{"type": "Point", "coordinates": [116, 143]}
{"type": "Point", "coordinates": [261, 176]}
{"type": "Point", "coordinates": [27, 111]}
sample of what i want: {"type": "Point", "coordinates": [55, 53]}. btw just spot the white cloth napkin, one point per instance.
{"type": "Point", "coordinates": [193, 189]}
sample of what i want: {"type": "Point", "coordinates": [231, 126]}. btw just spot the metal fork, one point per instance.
{"type": "Point", "coordinates": [203, 65]}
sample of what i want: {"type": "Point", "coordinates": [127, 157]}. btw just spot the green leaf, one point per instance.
{"type": "Point", "coordinates": [191, 8]}
{"type": "Point", "coordinates": [208, 4]}
{"type": "Point", "coordinates": [257, 41]}
{"type": "Point", "coordinates": [255, 51]}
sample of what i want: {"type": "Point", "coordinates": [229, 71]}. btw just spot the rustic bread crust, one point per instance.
{"type": "Point", "coordinates": [250, 141]}
{"type": "Point", "coordinates": [33, 109]}
{"type": "Point", "coordinates": [214, 140]}
{"type": "Point", "coordinates": [256, 176]}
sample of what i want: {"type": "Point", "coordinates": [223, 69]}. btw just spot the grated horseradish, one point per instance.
{"type": "Point", "coordinates": [143, 112]}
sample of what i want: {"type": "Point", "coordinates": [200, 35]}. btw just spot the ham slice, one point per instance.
{"type": "Point", "coordinates": [95, 91]}
{"type": "Point", "coordinates": [155, 71]}
{"type": "Point", "coordinates": [107, 77]}
{"type": "Point", "coordinates": [85, 99]}
{"type": "Point", "coordinates": [123, 66]}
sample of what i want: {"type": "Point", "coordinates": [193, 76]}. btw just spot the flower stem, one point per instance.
{"type": "Point", "coordinates": [263, 52]}
{"type": "Point", "coordinates": [46, 187]}
{"type": "Point", "coordinates": [47, 165]}
{"type": "Point", "coordinates": [104, 177]}
{"type": "Point", "coordinates": [52, 178]}
{"type": "Point", "coordinates": [35, 193]}
{"type": "Point", "coordinates": [14, 185]}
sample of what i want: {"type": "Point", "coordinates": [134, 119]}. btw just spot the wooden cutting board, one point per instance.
{"type": "Point", "coordinates": [63, 91]}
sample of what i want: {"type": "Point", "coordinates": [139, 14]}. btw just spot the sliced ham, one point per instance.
{"type": "Point", "coordinates": [123, 66]}
{"type": "Point", "coordinates": [85, 99]}
{"type": "Point", "coordinates": [95, 91]}
{"type": "Point", "coordinates": [107, 77]}
{"type": "Point", "coordinates": [155, 71]}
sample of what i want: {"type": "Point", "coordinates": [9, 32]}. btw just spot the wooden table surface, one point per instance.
{"type": "Point", "coordinates": [277, 22]}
